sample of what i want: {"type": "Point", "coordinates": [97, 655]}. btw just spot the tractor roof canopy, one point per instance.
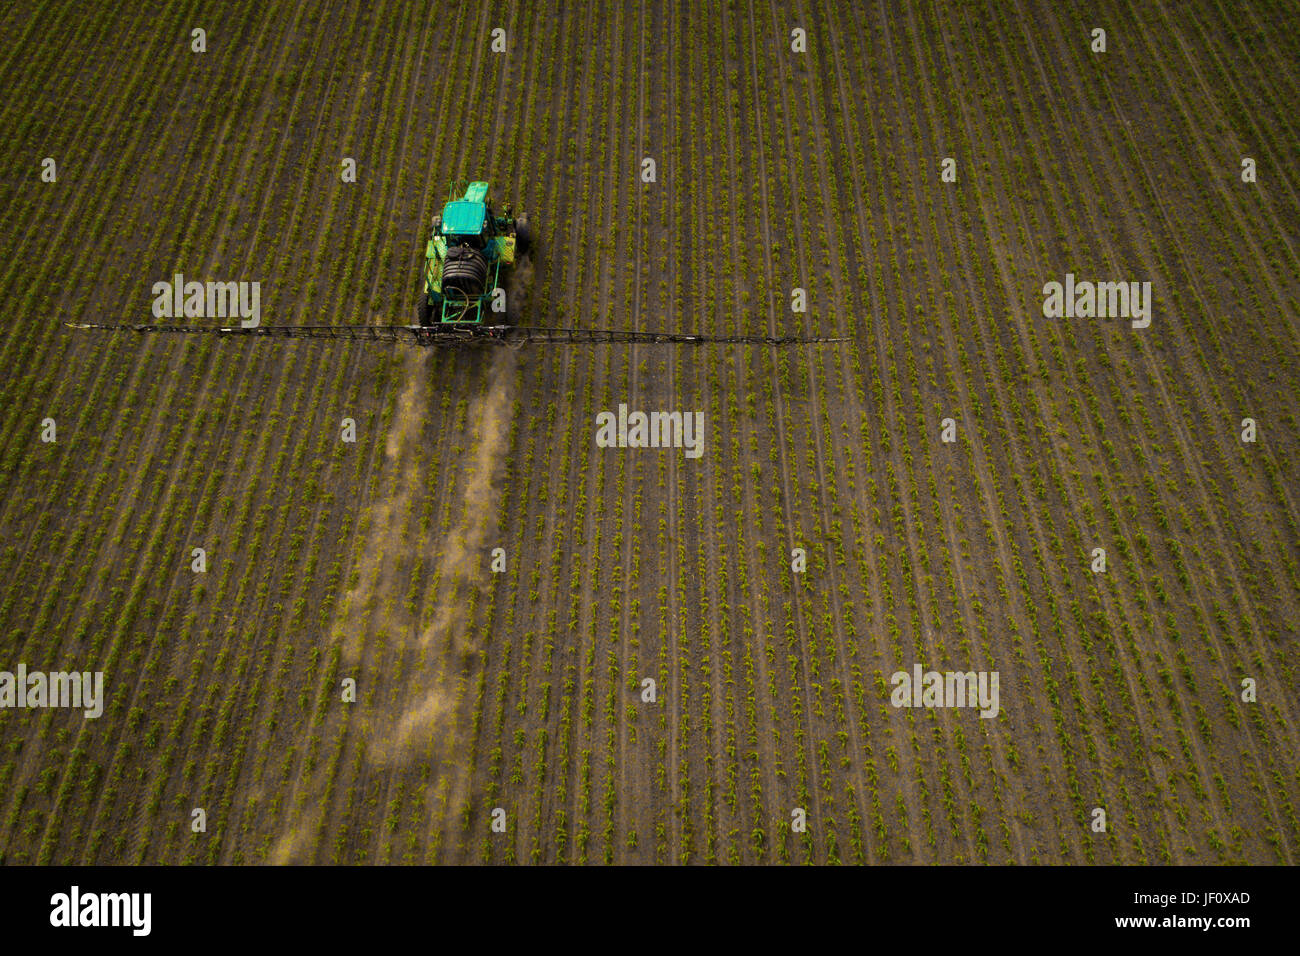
{"type": "Point", "coordinates": [462, 217]}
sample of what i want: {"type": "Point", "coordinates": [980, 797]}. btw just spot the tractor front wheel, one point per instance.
{"type": "Point", "coordinates": [425, 313]}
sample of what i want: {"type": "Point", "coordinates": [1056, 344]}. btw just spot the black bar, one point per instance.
{"type": "Point", "coordinates": [913, 909]}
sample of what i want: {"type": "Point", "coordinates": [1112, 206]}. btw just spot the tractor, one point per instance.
{"type": "Point", "coordinates": [468, 247]}
{"type": "Point", "coordinates": [464, 256]}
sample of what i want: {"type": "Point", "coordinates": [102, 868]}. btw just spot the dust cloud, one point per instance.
{"type": "Point", "coordinates": [414, 720]}
{"type": "Point", "coordinates": [373, 604]}
{"type": "Point", "coordinates": [463, 560]}
{"type": "Point", "coordinates": [519, 284]}
{"type": "Point", "coordinates": [462, 566]}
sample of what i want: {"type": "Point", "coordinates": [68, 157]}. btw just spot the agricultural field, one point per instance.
{"type": "Point", "coordinates": [350, 671]}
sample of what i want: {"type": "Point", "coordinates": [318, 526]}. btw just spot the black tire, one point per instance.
{"type": "Point", "coordinates": [523, 235]}
{"type": "Point", "coordinates": [425, 313]}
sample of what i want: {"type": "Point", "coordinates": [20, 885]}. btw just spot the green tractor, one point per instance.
{"type": "Point", "coordinates": [462, 274]}
{"type": "Point", "coordinates": [464, 256]}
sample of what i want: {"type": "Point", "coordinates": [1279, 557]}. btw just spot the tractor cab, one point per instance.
{"type": "Point", "coordinates": [464, 219]}
{"type": "Point", "coordinates": [464, 255]}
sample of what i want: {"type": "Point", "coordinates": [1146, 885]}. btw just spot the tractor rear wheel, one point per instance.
{"type": "Point", "coordinates": [523, 235]}
{"type": "Point", "coordinates": [425, 314]}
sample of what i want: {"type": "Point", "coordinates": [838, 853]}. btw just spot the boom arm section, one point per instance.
{"type": "Point", "coordinates": [482, 334]}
